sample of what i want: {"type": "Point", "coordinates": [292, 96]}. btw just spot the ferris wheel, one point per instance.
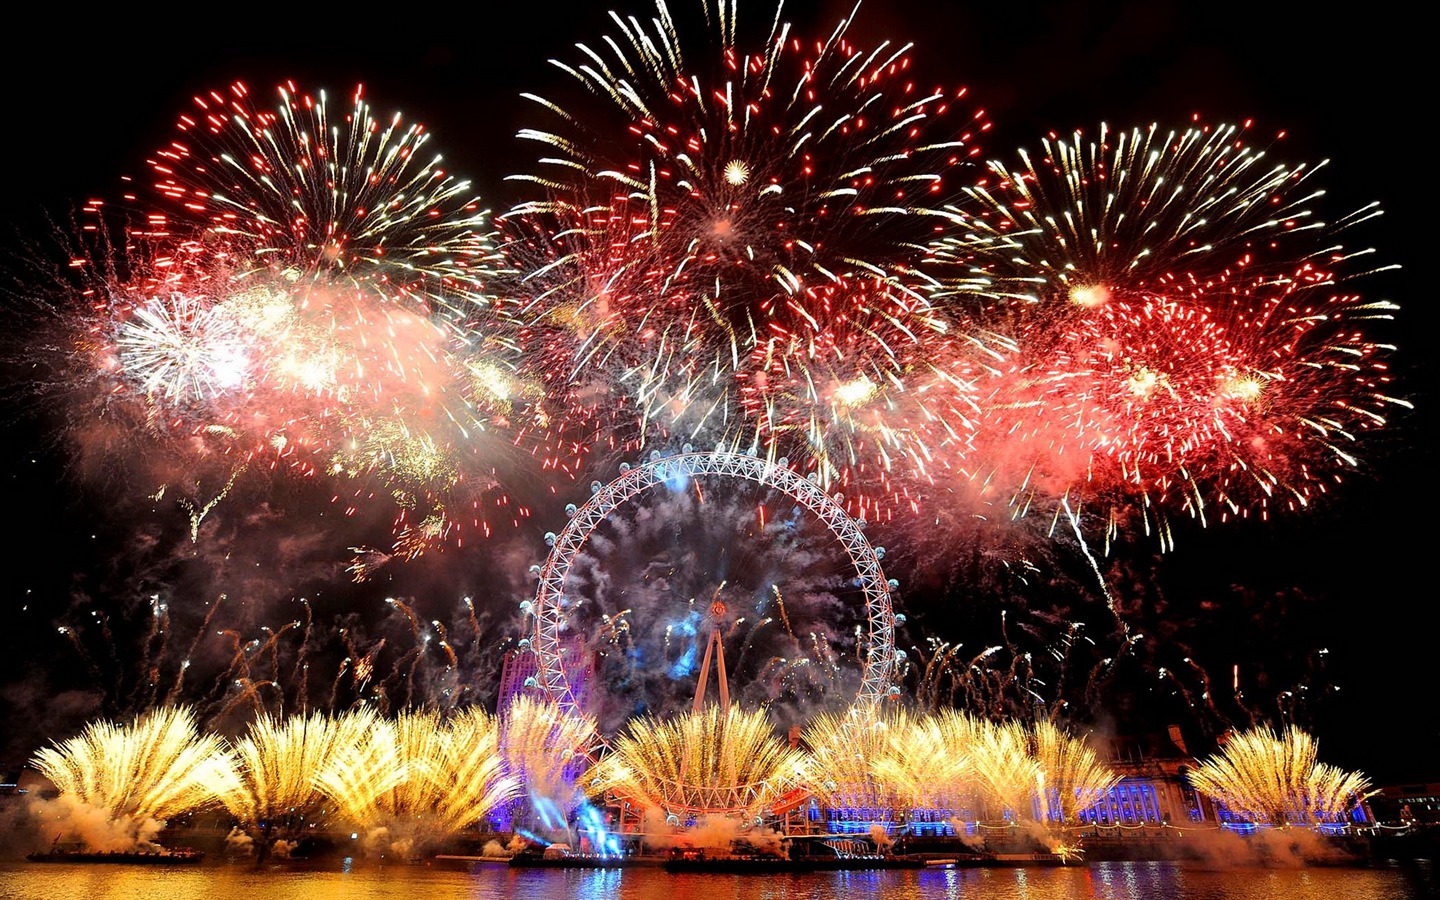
{"type": "Point", "coordinates": [552, 602]}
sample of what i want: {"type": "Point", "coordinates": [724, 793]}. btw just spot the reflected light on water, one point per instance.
{"type": "Point", "coordinates": [356, 879]}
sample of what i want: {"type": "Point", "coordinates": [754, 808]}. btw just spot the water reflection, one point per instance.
{"type": "Point", "coordinates": [357, 881]}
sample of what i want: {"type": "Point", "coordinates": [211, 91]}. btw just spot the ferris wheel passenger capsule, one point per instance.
{"type": "Point", "coordinates": [688, 448]}
{"type": "Point", "coordinates": [900, 619]}
{"type": "Point", "coordinates": [571, 509]}
{"type": "Point", "coordinates": [531, 682]}
{"type": "Point", "coordinates": [524, 644]}
{"type": "Point", "coordinates": [624, 467]}
{"type": "Point", "coordinates": [549, 538]}
{"type": "Point", "coordinates": [860, 524]}
{"type": "Point", "coordinates": [654, 455]}
{"type": "Point", "coordinates": [892, 584]}
{"type": "Point", "coordinates": [893, 691]}
{"type": "Point", "coordinates": [879, 552]}
{"type": "Point", "coordinates": [595, 487]}
{"type": "Point", "coordinates": [783, 462]}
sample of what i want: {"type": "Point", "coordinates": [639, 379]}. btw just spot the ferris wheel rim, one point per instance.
{"type": "Point", "coordinates": [879, 658]}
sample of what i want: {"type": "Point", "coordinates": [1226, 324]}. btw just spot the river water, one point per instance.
{"type": "Point", "coordinates": [20, 880]}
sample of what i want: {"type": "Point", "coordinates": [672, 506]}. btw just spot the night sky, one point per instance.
{"type": "Point", "coordinates": [88, 98]}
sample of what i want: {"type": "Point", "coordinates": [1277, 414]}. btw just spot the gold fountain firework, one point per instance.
{"type": "Point", "coordinates": [540, 742]}
{"type": "Point", "coordinates": [714, 762]}
{"type": "Point", "coordinates": [1271, 778]}
{"type": "Point", "coordinates": [928, 763]}
{"type": "Point", "coordinates": [1072, 777]}
{"type": "Point", "coordinates": [420, 777]}
{"type": "Point", "coordinates": [853, 758]}
{"type": "Point", "coordinates": [1007, 776]}
{"type": "Point", "coordinates": [278, 760]}
{"type": "Point", "coordinates": [147, 771]}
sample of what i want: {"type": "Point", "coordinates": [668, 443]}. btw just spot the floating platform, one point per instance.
{"type": "Point", "coordinates": [177, 857]}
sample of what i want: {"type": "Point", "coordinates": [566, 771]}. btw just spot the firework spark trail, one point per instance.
{"type": "Point", "coordinates": [198, 513]}
{"type": "Point", "coordinates": [300, 674]}
{"type": "Point", "coordinates": [1268, 778]}
{"type": "Point", "coordinates": [172, 697]}
{"type": "Point", "coordinates": [1074, 519]}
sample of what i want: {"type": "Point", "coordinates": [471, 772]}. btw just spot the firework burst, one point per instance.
{"type": "Point", "coordinates": [1092, 216]}
{"type": "Point", "coordinates": [418, 778]}
{"type": "Point", "coordinates": [736, 251]}
{"type": "Point", "coordinates": [1072, 777]}
{"type": "Point", "coordinates": [545, 747]}
{"type": "Point", "coordinates": [792, 163]}
{"type": "Point", "coordinates": [1181, 342]}
{"type": "Point", "coordinates": [329, 195]}
{"type": "Point", "coordinates": [273, 781]}
{"type": "Point", "coordinates": [1268, 778]}
{"type": "Point", "coordinates": [315, 296]}
{"type": "Point", "coordinates": [1235, 396]}
{"type": "Point", "coordinates": [721, 762]}
{"type": "Point", "coordinates": [135, 775]}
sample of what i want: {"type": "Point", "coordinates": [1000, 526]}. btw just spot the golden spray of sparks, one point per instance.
{"type": "Point", "coordinates": [154, 768]}
{"type": "Point", "coordinates": [928, 764]}
{"type": "Point", "coordinates": [1072, 777]}
{"type": "Point", "coordinates": [851, 757]}
{"type": "Point", "coordinates": [1274, 779]}
{"type": "Point", "coordinates": [539, 741]}
{"type": "Point", "coordinates": [420, 777]}
{"type": "Point", "coordinates": [277, 761]}
{"type": "Point", "coordinates": [1004, 775]}
{"type": "Point", "coordinates": [711, 762]}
